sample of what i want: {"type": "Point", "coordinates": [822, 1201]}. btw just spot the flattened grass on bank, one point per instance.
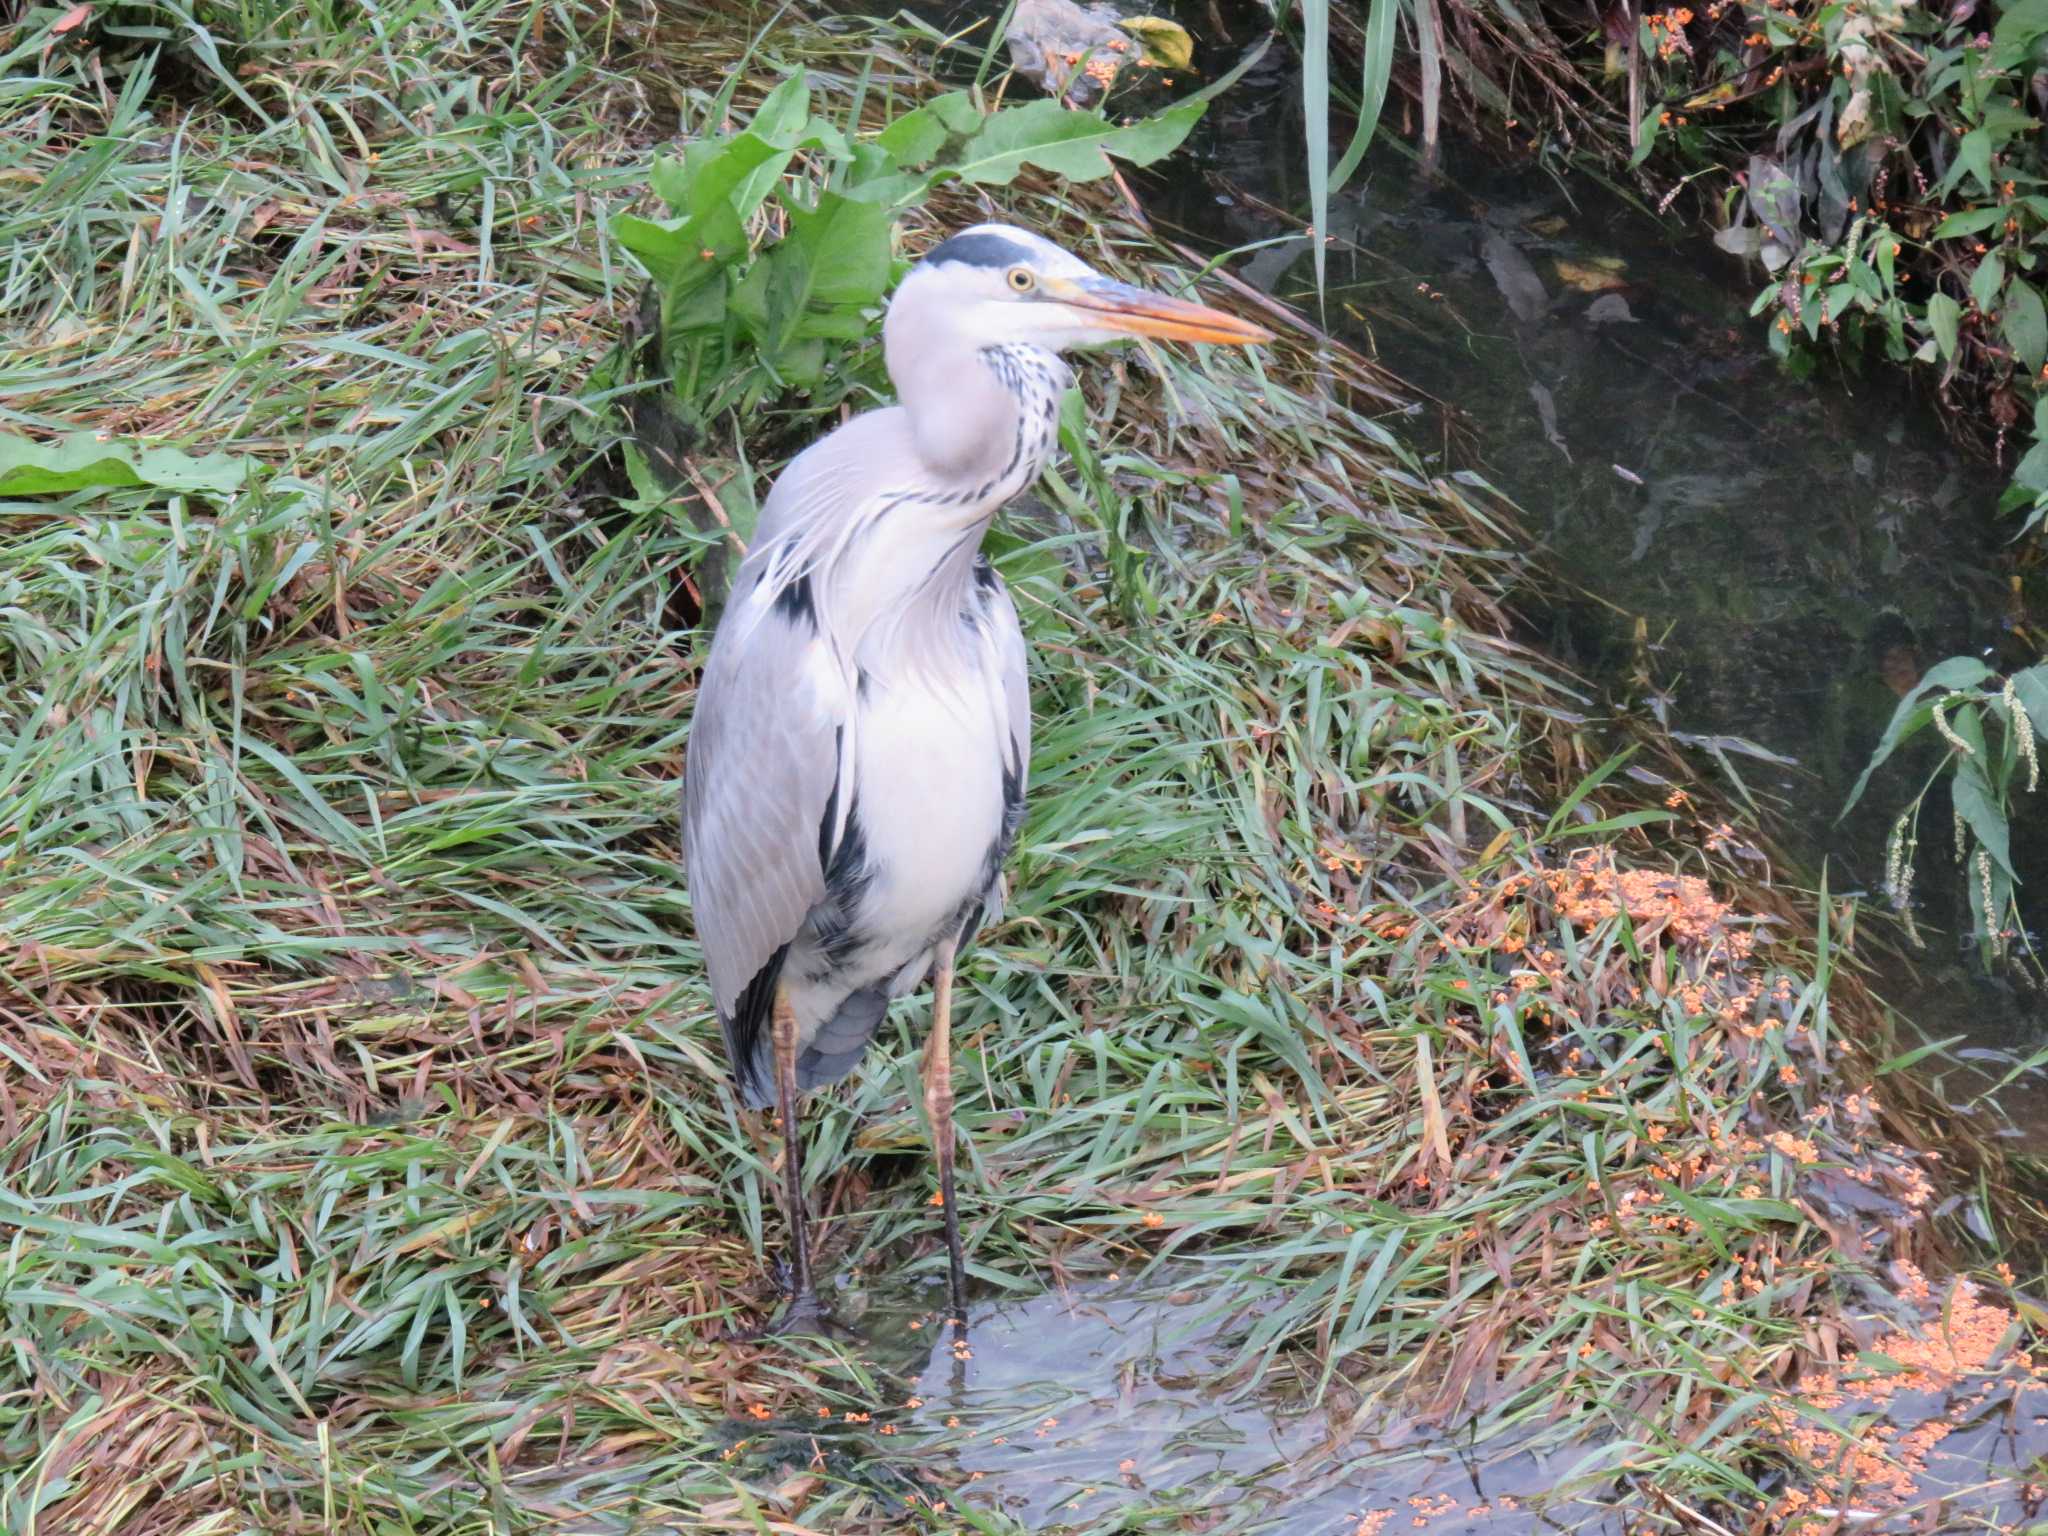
{"type": "Point", "coordinates": [369, 1164]}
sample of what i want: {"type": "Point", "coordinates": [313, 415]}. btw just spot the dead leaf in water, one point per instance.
{"type": "Point", "coordinates": [1593, 276]}
{"type": "Point", "coordinates": [1167, 43]}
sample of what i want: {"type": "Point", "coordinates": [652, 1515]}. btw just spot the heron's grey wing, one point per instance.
{"type": "Point", "coordinates": [768, 742]}
{"type": "Point", "coordinates": [1015, 658]}
{"type": "Point", "coordinates": [1012, 658]}
{"type": "Point", "coordinates": [831, 479]}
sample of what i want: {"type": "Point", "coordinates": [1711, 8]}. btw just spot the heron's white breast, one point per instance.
{"type": "Point", "coordinates": [930, 804]}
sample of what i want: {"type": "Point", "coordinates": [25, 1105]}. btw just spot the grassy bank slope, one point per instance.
{"type": "Point", "coordinates": [368, 1162]}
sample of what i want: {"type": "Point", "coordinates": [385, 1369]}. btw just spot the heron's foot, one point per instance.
{"type": "Point", "coordinates": [803, 1317]}
{"type": "Point", "coordinates": [803, 1314]}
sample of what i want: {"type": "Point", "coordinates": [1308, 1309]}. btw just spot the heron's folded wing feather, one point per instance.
{"type": "Point", "coordinates": [766, 745]}
{"type": "Point", "coordinates": [826, 483]}
{"type": "Point", "coordinates": [1009, 636]}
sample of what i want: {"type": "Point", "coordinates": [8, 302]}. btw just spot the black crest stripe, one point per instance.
{"type": "Point", "coordinates": [979, 250]}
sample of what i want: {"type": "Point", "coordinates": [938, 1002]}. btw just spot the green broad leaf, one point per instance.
{"type": "Point", "coordinates": [2018, 25]}
{"type": "Point", "coordinates": [1914, 713]}
{"type": "Point", "coordinates": [743, 170]}
{"type": "Point", "coordinates": [800, 362]}
{"type": "Point", "coordinates": [2005, 119]}
{"type": "Point", "coordinates": [737, 172]}
{"type": "Point", "coordinates": [1944, 316]}
{"type": "Point", "coordinates": [846, 243]}
{"type": "Point", "coordinates": [660, 247]}
{"type": "Point", "coordinates": [742, 178]}
{"type": "Point", "coordinates": [897, 190]}
{"type": "Point", "coordinates": [1076, 145]}
{"type": "Point", "coordinates": [681, 253]}
{"type": "Point", "coordinates": [2025, 324]}
{"type": "Point", "coordinates": [1951, 676]}
{"type": "Point", "coordinates": [1987, 282]}
{"type": "Point", "coordinates": [670, 181]}
{"type": "Point", "coordinates": [1973, 157]}
{"type": "Point", "coordinates": [783, 114]}
{"type": "Point", "coordinates": [913, 139]}
{"type": "Point", "coordinates": [702, 308]}
{"type": "Point", "coordinates": [834, 325]}
{"type": "Point", "coordinates": [1968, 222]}
{"type": "Point", "coordinates": [2032, 469]}
{"type": "Point", "coordinates": [835, 260]}
{"type": "Point", "coordinates": [916, 138]}
{"type": "Point", "coordinates": [749, 301]}
{"type": "Point", "coordinates": [2031, 689]}
{"type": "Point", "coordinates": [1646, 134]}
{"type": "Point", "coordinates": [1978, 806]}
{"type": "Point", "coordinates": [868, 162]}
{"type": "Point", "coordinates": [85, 461]}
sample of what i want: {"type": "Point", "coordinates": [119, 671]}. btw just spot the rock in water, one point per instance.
{"type": "Point", "coordinates": [1078, 52]}
{"type": "Point", "coordinates": [1514, 276]}
{"type": "Point", "coordinates": [1072, 52]}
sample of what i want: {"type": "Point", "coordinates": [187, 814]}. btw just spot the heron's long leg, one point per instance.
{"type": "Point", "coordinates": [805, 1298]}
{"type": "Point", "coordinates": [938, 1108]}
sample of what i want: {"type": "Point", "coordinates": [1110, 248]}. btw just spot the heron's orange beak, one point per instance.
{"type": "Point", "coordinates": [1120, 307]}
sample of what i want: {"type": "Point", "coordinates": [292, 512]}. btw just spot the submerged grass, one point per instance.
{"type": "Point", "coordinates": [369, 1164]}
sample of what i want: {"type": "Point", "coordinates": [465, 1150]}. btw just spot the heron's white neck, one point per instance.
{"type": "Point", "coordinates": [981, 439]}
{"type": "Point", "coordinates": [966, 401]}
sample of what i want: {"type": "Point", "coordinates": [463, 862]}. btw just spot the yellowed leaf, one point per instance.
{"type": "Point", "coordinates": [1167, 43]}
{"type": "Point", "coordinates": [1595, 276]}
{"type": "Point", "coordinates": [1434, 1134]}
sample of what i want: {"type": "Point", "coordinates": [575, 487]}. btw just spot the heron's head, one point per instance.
{"type": "Point", "coordinates": [996, 285]}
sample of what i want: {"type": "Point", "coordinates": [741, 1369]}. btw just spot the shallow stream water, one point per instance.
{"type": "Point", "coordinates": [1761, 563]}
{"type": "Point", "coordinates": [1078, 1404]}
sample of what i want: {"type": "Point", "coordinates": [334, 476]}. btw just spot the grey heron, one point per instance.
{"type": "Point", "coordinates": [856, 761]}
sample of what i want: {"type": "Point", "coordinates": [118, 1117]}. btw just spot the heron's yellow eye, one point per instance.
{"type": "Point", "coordinates": [1022, 280]}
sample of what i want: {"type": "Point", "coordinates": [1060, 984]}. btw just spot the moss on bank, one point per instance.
{"type": "Point", "coordinates": [369, 1164]}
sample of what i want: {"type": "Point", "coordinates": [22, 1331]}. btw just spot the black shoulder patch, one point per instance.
{"type": "Point", "coordinates": [831, 809]}
{"type": "Point", "coordinates": [847, 878]}
{"type": "Point", "coordinates": [794, 603]}
{"type": "Point", "coordinates": [979, 250]}
{"type": "Point", "coordinates": [985, 574]}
